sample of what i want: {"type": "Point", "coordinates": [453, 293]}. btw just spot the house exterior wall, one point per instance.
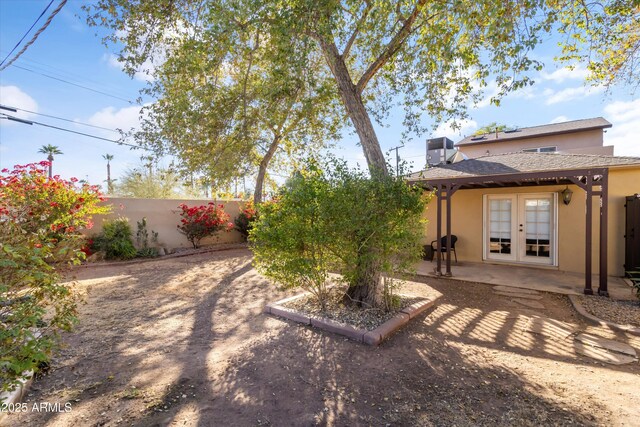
{"type": "Point", "coordinates": [467, 222]}
{"type": "Point", "coordinates": [583, 142]}
{"type": "Point", "coordinates": [163, 216]}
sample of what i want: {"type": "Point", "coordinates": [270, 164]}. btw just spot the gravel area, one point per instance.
{"type": "Point", "coordinates": [367, 319]}
{"type": "Point", "coordinates": [616, 311]}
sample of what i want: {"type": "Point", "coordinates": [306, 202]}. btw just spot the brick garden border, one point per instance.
{"type": "Point", "coordinates": [373, 337]}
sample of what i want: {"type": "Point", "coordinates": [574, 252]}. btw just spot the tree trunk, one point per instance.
{"type": "Point", "coordinates": [109, 189]}
{"type": "Point", "coordinates": [50, 158]}
{"type": "Point", "coordinates": [262, 170]}
{"type": "Point", "coordinates": [367, 291]}
{"type": "Point", "coordinates": [355, 108]}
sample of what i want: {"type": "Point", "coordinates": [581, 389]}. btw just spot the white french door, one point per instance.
{"type": "Point", "coordinates": [520, 228]}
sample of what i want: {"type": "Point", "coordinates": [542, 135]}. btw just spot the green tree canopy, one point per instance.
{"type": "Point", "coordinates": [433, 57]}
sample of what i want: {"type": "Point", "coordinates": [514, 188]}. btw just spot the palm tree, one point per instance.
{"type": "Point", "coordinates": [108, 158]}
{"type": "Point", "coordinates": [50, 150]}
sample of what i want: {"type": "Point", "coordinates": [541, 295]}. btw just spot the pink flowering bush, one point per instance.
{"type": "Point", "coordinates": [198, 222]}
{"type": "Point", "coordinates": [40, 219]}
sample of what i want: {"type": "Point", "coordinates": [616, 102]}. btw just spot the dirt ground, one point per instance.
{"type": "Point", "coordinates": [183, 342]}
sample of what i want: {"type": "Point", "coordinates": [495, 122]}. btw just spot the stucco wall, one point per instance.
{"type": "Point", "coordinates": [586, 142]}
{"type": "Point", "coordinates": [467, 222]}
{"type": "Point", "coordinates": [163, 216]}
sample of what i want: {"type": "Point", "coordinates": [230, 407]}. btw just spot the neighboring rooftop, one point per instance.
{"type": "Point", "coordinates": [521, 162]}
{"type": "Point", "coordinates": [537, 131]}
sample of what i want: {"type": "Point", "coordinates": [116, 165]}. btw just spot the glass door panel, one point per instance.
{"type": "Point", "coordinates": [536, 229]}
{"type": "Point", "coordinates": [500, 242]}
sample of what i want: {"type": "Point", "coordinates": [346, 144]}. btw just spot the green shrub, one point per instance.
{"type": "Point", "coordinates": [142, 240]}
{"type": "Point", "coordinates": [366, 228]}
{"type": "Point", "coordinates": [115, 240]}
{"type": "Point", "coordinates": [289, 238]}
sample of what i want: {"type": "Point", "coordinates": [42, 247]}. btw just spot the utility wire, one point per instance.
{"type": "Point", "coordinates": [35, 36]}
{"type": "Point", "coordinates": [75, 84]}
{"type": "Point", "coordinates": [28, 31]}
{"type": "Point", "coordinates": [60, 118]}
{"type": "Point", "coordinates": [40, 67]}
{"type": "Point", "coordinates": [31, 122]}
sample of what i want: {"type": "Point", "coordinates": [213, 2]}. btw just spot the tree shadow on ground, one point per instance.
{"type": "Point", "coordinates": [210, 357]}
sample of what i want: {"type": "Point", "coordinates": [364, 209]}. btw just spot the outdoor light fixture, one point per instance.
{"type": "Point", "coordinates": [566, 195]}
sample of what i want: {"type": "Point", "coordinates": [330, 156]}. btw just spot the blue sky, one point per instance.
{"type": "Point", "coordinates": [69, 50]}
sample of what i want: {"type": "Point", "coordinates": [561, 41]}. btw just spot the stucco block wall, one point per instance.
{"type": "Point", "coordinates": [163, 216]}
{"type": "Point", "coordinates": [585, 142]}
{"type": "Point", "coordinates": [467, 222]}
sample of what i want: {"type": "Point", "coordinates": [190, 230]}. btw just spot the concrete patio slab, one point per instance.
{"type": "Point", "coordinates": [524, 277]}
{"type": "Point", "coordinates": [607, 344]}
{"type": "Point", "coordinates": [603, 355]}
{"type": "Point", "coordinates": [512, 289]}
{"type": "Point", "coordinates": [550, 328]}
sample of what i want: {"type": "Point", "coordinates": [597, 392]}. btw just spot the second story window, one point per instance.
{"type": "Point", "coordinates": [541, 150]}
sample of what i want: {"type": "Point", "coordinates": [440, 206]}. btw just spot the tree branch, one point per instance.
{"type": "Point", "coordinates": [356, 31]}
{"type": "Point", "coordinates": [391, 48]}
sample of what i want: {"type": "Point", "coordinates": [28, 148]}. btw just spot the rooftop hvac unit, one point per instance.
{"type": "Point", "coordinates": [437, 150]}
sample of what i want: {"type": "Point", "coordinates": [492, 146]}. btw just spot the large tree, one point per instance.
{"type": "Point", "coordinates": [431, 57]}
{"type": "Point", "coordinates": [229, 98]}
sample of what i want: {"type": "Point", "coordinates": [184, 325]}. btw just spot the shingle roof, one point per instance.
{"type": "Point", "coordinates": [537, 131]}
{"type": "Point", "coordinates": [521, 162]}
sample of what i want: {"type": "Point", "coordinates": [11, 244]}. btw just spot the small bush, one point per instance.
{"type": "Point", "coordinates": [244, 220]}
{"type": "Point", "coordinates": [116, 240]}
{"type": "Point", "coordinates": [289, 239]}
{"type": "Point", "coordinates": [203, 221]}
{"type": "Point", "coordinates": [142, 240]}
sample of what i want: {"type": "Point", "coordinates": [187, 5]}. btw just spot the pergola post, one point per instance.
{"type": "Point", "coordinates": [450, 190]}
{"type": "Point", "coordinates": [604, 210]}
{"type": "Point", "coordinates": [439, 230]}
{"type": "Point", "coordinates": [587, 234]}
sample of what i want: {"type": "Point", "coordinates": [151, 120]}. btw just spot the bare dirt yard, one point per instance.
{"type": "Point", "coordinates": [183, 342]}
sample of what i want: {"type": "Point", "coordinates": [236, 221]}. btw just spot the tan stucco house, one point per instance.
{"type": "Point", "coordinates": [511, 207]}
{"type": "Point", "coordinates": [574, 137]}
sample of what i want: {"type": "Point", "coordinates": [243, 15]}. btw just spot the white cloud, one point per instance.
{"type": "Point", "coordinates": [570, 93]}
{"type": "Point", "coordinates": [453, 129]}
{"type": "Point", "coordinates": [566, 73]}
{"type": "Point", "coordinates": [12, 96]}
{"type": "Point", "coordinates": [111, 118]}
{"type": "Point", "coordinates": [143, 74]}
{"type": "Point", "coordinates": [559, 119]}
{"type": "Point", "coordinates": [625, 117]}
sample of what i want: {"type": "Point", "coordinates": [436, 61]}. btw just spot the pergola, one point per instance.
{"type": "Point", "coordinates": [510, 170]}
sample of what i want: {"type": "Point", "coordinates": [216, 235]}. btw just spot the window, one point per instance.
{"type": "Point", "coordinates": [540, 150]}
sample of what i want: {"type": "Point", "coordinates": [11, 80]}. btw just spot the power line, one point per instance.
{"type": "Point", "coordinates": [28, 31]}
{"type": "Point", "coordinates": [41, 67]}
{"type": "Point", "coordinates": [74, 84]}
{"type": "Point", "coordinates": [3, 107]}
{"type": "Point", "coordinates": [32, 122]}
{"type": "Point", "coordinates": [35, 36]}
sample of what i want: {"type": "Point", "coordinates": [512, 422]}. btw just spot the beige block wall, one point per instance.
{"type": "Point", "coordinates": [467, 222]}
{"type": "Point", "coordinates": [163, 216]}
{"type": "Point", "coordinates": [587, 142]}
